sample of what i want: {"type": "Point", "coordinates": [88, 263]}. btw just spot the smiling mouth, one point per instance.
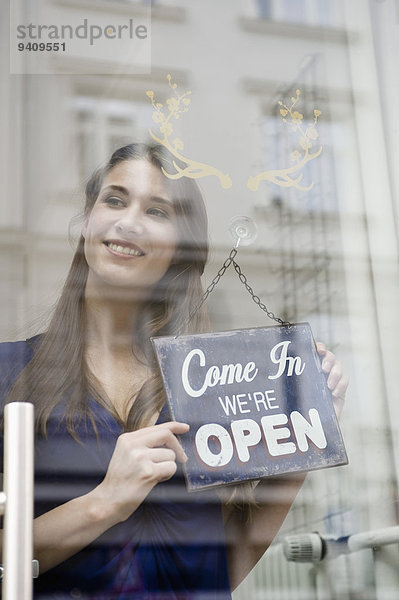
{"type": "Point", "coordinates": [125, 250]}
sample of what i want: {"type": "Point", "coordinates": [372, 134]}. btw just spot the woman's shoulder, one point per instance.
{"type": "Point", "coordinates": [14, 356]}
{"type": "Point", "coordinates": [20, 352]}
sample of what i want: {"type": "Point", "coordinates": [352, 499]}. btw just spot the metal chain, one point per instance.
{"type": "Point", "coordinates": [210, 287]}
{"type": "Point", "coordinates": [256, 298]}
{"type": "Point", "coordinates": [216, 280]}
{"type": "Point", "coordinates": [243, 280]}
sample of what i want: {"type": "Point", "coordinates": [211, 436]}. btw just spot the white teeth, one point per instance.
{"type": "Point", "coordinates": [124, 250]}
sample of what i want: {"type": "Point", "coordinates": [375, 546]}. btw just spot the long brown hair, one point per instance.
{"type": "Point", "coordinates": [58, 370]}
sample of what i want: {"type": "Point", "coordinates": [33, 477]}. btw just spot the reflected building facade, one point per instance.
{"type": "Point", "coordinates": [326, 255]}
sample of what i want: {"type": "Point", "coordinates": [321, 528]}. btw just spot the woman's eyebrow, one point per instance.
{"type": "Point", "coordinates": [161, 200]}
{"type": "Point", "coordinates": [117, 188]}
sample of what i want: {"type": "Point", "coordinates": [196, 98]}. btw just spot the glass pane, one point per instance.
{"type": "Point", "coordinates": [279, 112]}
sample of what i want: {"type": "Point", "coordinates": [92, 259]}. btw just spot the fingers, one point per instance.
{"type": "Point", "coordinates": [166, 470]}
{"type": "Point", "coordinates": [340, 389]}
{"type": "Point", "coordinates": [328, 358]}
{"type": "Point", "coordinates": [158, 455]}
{"type": "Point", "coordinates": [140, 460]}
{"type": "Point", "coordinates": [162, 449]}
{"type": "Point", "coordinates": [164, 435]}
{"type": "Point", "coordinates": [160, 436]}
{"type": "Point", "coordinates": [335, 375]}
{"type": "Point", "coordinates": [337, 382]}
{"type": "Point", "coordinates": [152, 468]}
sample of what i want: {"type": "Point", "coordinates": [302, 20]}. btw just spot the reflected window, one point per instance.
{"type": "Point", "coordinates": [102, 125]}
{"type": "Point", "coordinates": [305, 12]}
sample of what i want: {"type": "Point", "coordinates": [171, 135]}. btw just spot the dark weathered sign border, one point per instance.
{"type": "Point", "coordinates": [256, 400]}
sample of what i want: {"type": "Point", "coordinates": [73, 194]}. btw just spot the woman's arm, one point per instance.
{"type": "Point", "coordinates": [250, 532]}
{"type": "Point", "coordinates": [140, 460]}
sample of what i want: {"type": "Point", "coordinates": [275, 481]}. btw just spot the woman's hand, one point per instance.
{"type": "Point", "coordinates": [141, 459]}
{"type": "Point", "coordinates": [337, 382]}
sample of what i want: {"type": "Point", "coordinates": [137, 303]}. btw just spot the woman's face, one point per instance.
{"type": "Point", "coordinates": [131, 231]}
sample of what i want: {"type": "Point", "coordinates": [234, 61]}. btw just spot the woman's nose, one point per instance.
{"type": "Point", "coordinates": [131, 222]}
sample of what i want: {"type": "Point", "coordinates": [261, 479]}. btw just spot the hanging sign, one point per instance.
{"type": "Point", "coordinates": [256, 400]}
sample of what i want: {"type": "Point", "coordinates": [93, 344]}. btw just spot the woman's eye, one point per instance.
{"type": "Point", "coordinates": [158, 212]}
{"type": "Point", "coordinates": [114, 201]}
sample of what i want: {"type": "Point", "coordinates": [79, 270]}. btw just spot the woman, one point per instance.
{"type": "Point", "coordinates": [112, 517]}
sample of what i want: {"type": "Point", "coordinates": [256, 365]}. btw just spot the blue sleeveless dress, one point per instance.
{"type": "Point", "coordinates": [172, 547]}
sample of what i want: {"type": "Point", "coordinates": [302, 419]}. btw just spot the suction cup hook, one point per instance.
{"type": "Point", "coordinates": [243, 230]}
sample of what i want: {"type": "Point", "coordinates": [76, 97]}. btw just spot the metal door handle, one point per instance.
{"type": "Point", "coordinates": [18, 501]}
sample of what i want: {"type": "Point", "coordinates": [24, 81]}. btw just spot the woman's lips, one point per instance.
{"type": "Point", "coordinates": [121, 248]}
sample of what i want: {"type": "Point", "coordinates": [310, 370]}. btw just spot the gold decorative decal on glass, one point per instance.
{"type": "Point", "coordinates": [177, 105]}
{"type": "Point", "coordinates": [292, 175]}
